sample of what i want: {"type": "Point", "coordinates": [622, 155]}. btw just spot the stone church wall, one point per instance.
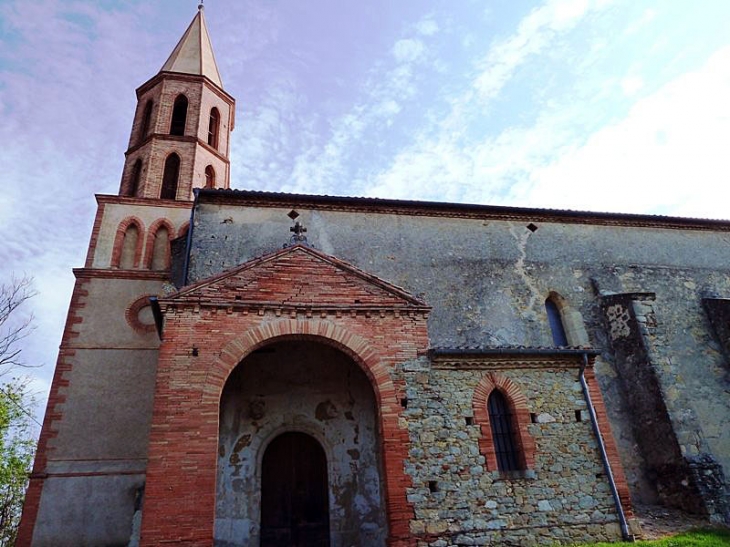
{"type": "Point", "coordinates": [487, 280]}
{"type": "Point", "coordinates": [563, 497]}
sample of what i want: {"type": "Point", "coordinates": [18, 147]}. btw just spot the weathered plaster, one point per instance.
{"type": "Point", "coordinates": [314, 389]}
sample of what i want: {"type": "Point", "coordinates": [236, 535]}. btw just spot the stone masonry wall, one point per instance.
{"type": "Point", "coordinates": [487, 280]}
{"type": "Point", "coordinates": [564, 497]}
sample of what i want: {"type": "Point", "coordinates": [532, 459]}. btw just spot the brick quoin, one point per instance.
{"type": "Point", "coordinates": [54, 414]}
{"type": "Point", "coordinates": [181, 474]}
{"type": "Point", "coordinates": [619, 477]}
{"type": "Point", "coordinates": [94, 236]}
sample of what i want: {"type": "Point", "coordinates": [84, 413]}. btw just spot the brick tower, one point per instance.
{"type": "Point", "coordinates": [180, 137]}
{"type": "Point", "coordinates": [91, 463]}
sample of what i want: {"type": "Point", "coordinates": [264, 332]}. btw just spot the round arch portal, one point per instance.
{"type": "Point", "coordinates": [295, 389]}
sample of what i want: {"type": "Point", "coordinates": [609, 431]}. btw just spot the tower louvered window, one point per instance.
{"type": "Point", "coordinates": [146, 120]}
{"type": "Point", "coordinates": [209, 177]}
{"type": "Point", "coordinates": [136, 177]}
{"type": "Point", "coordinates": [170, 176]}
{"type": "Point", "coordinates": [502, 420]}
{"type": "Point", "coordinates": [213, 127]}
{"type": "Point", "coordinates": [179, 115]}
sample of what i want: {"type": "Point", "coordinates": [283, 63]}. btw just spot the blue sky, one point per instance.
{"type": "Point", "coordinates": [608, 105]}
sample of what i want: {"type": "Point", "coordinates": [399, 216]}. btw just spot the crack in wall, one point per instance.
{"type": "Point", "coordinates": [535, 292]}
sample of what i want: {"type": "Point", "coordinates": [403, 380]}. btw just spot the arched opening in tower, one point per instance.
{"type": "Point", "coordinates": [299, 455]}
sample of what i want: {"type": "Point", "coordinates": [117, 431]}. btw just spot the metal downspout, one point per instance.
{"type": "Point", "coordinates": [625, 533]}
{"type": "Point", "coordinates": [189, 241]}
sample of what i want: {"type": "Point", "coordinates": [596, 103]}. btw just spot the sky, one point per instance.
{"type": "Point", "coordinates": [600, 105]}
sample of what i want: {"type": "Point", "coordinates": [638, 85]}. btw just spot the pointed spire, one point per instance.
{"type": "Point", "coordinates": [193, 54]}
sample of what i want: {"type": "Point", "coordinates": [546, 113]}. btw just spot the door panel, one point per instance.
{"type": "Point", "coordinates": [294, 493]}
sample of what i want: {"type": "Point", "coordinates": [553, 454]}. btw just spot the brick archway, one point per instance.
{"type": "Point", "coordinates": [192, 370]}
{"type": "Point", "coordinates": [356, 347]}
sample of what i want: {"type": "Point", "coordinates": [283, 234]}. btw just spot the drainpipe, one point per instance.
{"type": "Point", "coordinates": [189, 241]}
{"type": "Point", "coordinates": [627, 535]}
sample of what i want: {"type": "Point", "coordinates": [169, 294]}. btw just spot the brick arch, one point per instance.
{"type": "Point", "coordinates": [131, 314]}
{"type": "Point", "coordinates": [393, 439]}
{"type": "Point", "coordinates": [119, 241]}
{"type": "Point", "coordinates": [355, 346]}
{"type": "Point", "coordinates": [179, 114]}
{"type": "Point", "coordinates": [518, 404]}
{"type": "Point", "coordinates": [570, 319]}
{"type": "Point", "coordinates": [183, 229]}
{"type": "Point", "coordinates": [558, 298]}
{"type": "Point", "coordinates": [150, 243]}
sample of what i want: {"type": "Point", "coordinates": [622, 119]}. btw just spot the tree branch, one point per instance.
{"type": "Point", "coordinates": [13, 330]}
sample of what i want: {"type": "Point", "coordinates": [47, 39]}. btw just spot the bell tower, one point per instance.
{"type": "Point", "coordinates": [180, 137]}
{"type": "Point", "coordinates": [90, 468]}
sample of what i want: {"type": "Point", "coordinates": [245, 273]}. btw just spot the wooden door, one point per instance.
{"type": "Point", "coordinates": [294, 493]}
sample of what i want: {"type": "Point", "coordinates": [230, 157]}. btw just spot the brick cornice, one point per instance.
{"type": "Point", "coordinates": [145, 202]}
{"type": "Point", "coordinates": [177, 138]}
{"type": "Point", "coordinates": [274, 309]}
{"type": "Point", "coordinates": [510, 361]}
{"type": "Point", "coordinates": [179, 76]}
{"type": "Point", "coordinates": [91, 273]}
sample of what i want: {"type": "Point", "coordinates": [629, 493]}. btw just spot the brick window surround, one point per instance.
{"type": "Point", "coordinates": [521, 415]}
{"type": "Point", "coordinates": [150, 246]}
{"type": "Point", "coordinates": [119, 241]}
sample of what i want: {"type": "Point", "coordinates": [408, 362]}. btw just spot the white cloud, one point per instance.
{"type": "Point", "coordinates": [668, 155]}
{"type": "Point", "coordinates": [408, 50]}
{"type": "Point", "coordinates": [631, 85]}
{"type": "Point", "coordinates": [427, 27]}
{"type": "Point", "coordinates": [647, 17]}
{"type": "Point", "coordinates": [452, 166]}
{"type": "Point", "coordinates": [534, 33]}
{"type": "Point", "coordinates": [325, 165]}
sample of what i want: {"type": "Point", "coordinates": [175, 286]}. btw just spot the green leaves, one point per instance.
{"type": "Point", "coordinates": [17, 447]}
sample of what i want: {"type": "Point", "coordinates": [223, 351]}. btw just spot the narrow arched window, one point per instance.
{"type": "Point", "coordinates": [146, 119]}
{"type": "Point", "coordinates": [503, 436]}
{"type": "Point", "coordinates": [179, 115]}
{"type": "Point", "coordinates": [555, 320]}
{"type": "Point", "coordinates": [136, 176]}
{"type": "Point", "coordinates": [128, 257]}
{"type": "Point", "coordinates": [170, 176]}
{"type": "Point", "coordinates": [213, 127]}
{"type": "Point", "coordinates": [161, 250]}
{"type": "Point", "coordinates": [209, 177]}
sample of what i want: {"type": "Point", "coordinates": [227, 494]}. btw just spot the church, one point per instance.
{"type": "Point", "coordinates": [245, 368]}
